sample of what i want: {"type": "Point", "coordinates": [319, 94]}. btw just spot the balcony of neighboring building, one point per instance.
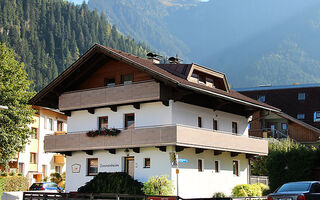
{"type": "Point", "coordinates": [59, 159]}
{"type": "Point", "coordinates": [106, 96]}
{"type": "Point", "coordinates": [166, 135]}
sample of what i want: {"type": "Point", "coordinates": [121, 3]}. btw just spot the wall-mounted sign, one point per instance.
{"type": "Point", "coordinates": [182, 160]}
{"type": "Point", "coordinates": [75, 168]}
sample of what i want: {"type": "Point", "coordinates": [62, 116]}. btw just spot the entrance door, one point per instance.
{"type": "Point", "coordinates": [129, 166]}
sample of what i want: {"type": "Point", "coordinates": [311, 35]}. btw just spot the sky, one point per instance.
{"type": "Point", "coordinates": [77, 1]}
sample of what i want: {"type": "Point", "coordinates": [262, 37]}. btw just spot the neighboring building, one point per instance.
{"type": "Point", "coordinates": [280, 125]}
{"type": "Point", "coordinates": [33, 162]}
{"type": "Point", "coordinates": [298, 101]}
{"type": "Point", "coordinates": [161, 110]}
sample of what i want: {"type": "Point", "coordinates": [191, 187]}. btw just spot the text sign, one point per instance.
{"type": "Point", "coordinates": [182, 160]}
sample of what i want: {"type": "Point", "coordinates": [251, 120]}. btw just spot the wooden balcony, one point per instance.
{"type": "Point", "coordinates": [122, 94]}
{"type": "Point", "coordinates": [158, 136]}
{"type": "Point", "coordinates": [59, 159]}
{"type": "Point", "coordinates": [60, 132]}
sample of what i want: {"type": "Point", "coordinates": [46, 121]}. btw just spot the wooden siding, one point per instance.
{"type": "Point", "coordinates": [112, 69]}
{"type": "Point", "coordinates": [123, 94]}
{"type": "Point", "coordinates": [158, 136]}
{"type": "Point", "coordinates": [301, 134]}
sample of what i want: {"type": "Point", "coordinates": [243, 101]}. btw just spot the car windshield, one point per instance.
{"type": "Point", "coordinates": [294, 187]}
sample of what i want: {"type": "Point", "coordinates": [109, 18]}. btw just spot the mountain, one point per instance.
{"type": "Point", "coordinates": [49, 35]}
{"type": "Point", "coordinates": [253, 42]}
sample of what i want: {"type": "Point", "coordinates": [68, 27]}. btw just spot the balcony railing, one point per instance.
{"type": "Point", "coordinates": [105, 96]}
{"type": "Point", "coordinates": [167, 135]}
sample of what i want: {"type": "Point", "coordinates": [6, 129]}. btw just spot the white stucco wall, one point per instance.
{"type": "Point", "coordinates": [195, 184]}
{"type": "Point", "coordinates": [160, 165]}
{"type": "Point", "coordinates": [188, 114]}
{"type": "Point", "coordinates": [149, 114]}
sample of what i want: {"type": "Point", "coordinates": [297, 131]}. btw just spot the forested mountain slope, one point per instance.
{"type": "Point", "coordinates": [49, 35]}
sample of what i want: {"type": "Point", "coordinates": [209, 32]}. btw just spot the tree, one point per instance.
{"type": "Point", "coordinates": [158, 185]}
{"type": "Point", "coordinates": [14, 93]}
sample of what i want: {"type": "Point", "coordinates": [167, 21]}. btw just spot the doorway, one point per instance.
{"type": "Point", "coordinates": [129, 165]}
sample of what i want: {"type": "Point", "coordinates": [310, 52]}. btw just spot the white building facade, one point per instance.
{"type": "Point", "coordinates": [164, 113]}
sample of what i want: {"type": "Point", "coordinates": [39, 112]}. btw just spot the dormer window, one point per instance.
{"type": "Point", "coordinates": [126, 79]}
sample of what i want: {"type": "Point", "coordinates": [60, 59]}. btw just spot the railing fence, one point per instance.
{"type": "Point", "coordinates": [259, 179]}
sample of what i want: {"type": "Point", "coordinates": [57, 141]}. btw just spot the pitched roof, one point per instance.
{"type": "Point", "coordinates": [172, 73]}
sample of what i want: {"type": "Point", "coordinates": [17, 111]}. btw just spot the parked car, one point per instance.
{"type": "Point", "coordinates": [46, 186]}
{"type": "Point", "coordinates": [304, 190]}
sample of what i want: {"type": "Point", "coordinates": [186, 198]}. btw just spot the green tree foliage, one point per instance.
{"type": "Point", "coordinates": [1, 186]}
{"type": "Point", "coordinates": [14, 93]}
{"type": "Point", "coordinates": [118, 182]}
{"type": "Point", "coordinates": [158, 185]}
{"type": "Point", "coordinates": [49, 35]}
{"type": "Point", "coordinates": [249, 190]}
{"type": "Point", "coordinates": [287, 161]}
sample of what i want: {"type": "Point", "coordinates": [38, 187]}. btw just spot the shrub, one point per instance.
{"type": "Point", "coordinates": [20, 174]}
{"type": "Point", "coordinates": [118, 182]}
{"type": "Point", "coordinates": [56, 178]}
{"type": "Point", "coordinates": [219, 195]}
{"type": "Point", "coordinates": [12, 173]}
{"type": "Point", "coordinates": [4, 174]}
{"type": "Point", "coordinates": [15, 183]}
{"type": "Point", "coordinates": [1, 186]}
{"type": "Point", "coordinates": [247, 190]}
{"type": "Point", "coordinates": [158, 185]}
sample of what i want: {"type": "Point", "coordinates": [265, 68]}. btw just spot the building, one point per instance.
{"type": "Point", "coordinates": [298, 101]}
{"type": "Point", "coordinates": [155, 112]}
{"type": "Point", "coordinates": [298, 120]}
{"type": "Point", "coordinates": [34, 163]}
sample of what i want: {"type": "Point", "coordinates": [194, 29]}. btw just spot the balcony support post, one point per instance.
{"type": "Point", "coordinates": [217, 152]}
{"type": "Point", "coordinates": [112, 151]}
{"type": "Point", "coordinates": [89, 152]}
{"type": "Point", "coordinates": [234, 154]}
{"type": "Point", "coordinates": [162, 148]}
{"type": "Point", "coordinates": [91, 110]}
{"type": "Point", "coordinates": [136, 106]}
{"type": "Point", "coordinates": [114, 108]}
{"type": "Point", "coordinates": [136, 149]}
{"type": "Point", "coordinates": [197, 150]}
{"type": "Point", "coordinates": [179, 148]}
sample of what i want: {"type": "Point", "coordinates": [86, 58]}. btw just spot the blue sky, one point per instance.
{"type": "Point", "coordinates": [76, 1]}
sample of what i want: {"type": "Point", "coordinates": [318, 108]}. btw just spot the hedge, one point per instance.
{"type": "Point", "coordinates": [287, 161]}
{"type": "Point", "coordinates": [249, 190]}
{"type": "Point", "coordinates": [1, 187]}
{"type": "Point", "coordinates": [118, 182]}
{"type": "Point", "coordinates": [15, 183]}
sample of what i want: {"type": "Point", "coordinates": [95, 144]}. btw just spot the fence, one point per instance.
{"type": "Point", "coordinates": [259, 179]}
{"type": "Point", "coordinates": [105, 196]}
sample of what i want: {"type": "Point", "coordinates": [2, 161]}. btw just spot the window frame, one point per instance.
{"type": "Point", "coordinates": [34, 134]}
{"type": "Point", "coordinates": [301, 96]}
{"type": "Point", "coordinates": [107, 82]}
{"type": "Point", "coordinates": [236, 171]}
{"type": "Point", "coordinates": [214, 124]}
{"type": "Point", "coordinates": [302, 116]}
{"type": "Point", "coordinates": [200, 165]}
{"type": "Point", "coordinates": [234, 127]}
{"type": "Point", "coordinates": [33, 160]}
{"type": "Point", "coordinates": [51, 124]}
{"type": "Point", "coordinates": [199, 122]}
{"type": "Point", "coordinates": [126, 120]}
{"type": "Point", "coordinates": [21, 168]}
{"type": "Point", "coordinates": [99, 122]}
{"type": "Point", "coordinates": [123, 82]}
{"type": "Point", "coordinates": [316, 118]}
{"type": "Point", "coordinates": [147, 163]}
{"type": "Point", "coordinates": [59, 122]}
{"type": "Point", "coordinates": [89, 166]}
{"type": "Point", "coordinates": [261, 98]}
{"type": "Point", "coordinates": [217, 166]}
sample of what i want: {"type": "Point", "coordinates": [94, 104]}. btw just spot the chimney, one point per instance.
{"type": "Point", "coordinates": [155, 58]}
{"type": "Point", "coordinates": [175, 60]}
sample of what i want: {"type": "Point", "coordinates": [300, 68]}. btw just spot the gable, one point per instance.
{"type": "Point", "coordinates": [112, 69]}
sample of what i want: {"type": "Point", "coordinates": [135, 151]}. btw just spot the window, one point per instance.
{"type": "Point", "coordinates": [109, 82]}
{"type": "Point", "coordinates": [21, 167]}
{"type": "Point", "coordinates": [249, 126]}
{"type": "Point", "coordinates": [34, 133]}
{"type": "Point", "coordinates": [45, 124]}
{"type": "Point", "coordinates": [300, 116]}
{"type": "Point", "coordinates": [92, 166]}
{"type": "Point", "coordinates": [126, 79]}
{"type": "Point", "coordinates": [199, 122]}
{"type": "Point", "coordinates": [195, 75]}
{"type": "Point", "coordinates": [200, 165]}
{"type": "Point", "coordinates": [202, 79]}
{"type": "Point", "coordinates": [234, 127]}
{"type": "Point", "coordinates": [59, 126]}
{"type": "Point", "coordinates": [301, 96]}
{"type": "Point", "coordinates": [217, 166]}
{"type": "Point", "coordinates": [147, 163]}
{"type": "Point", "coordinates": [33, 158]}
{"type": "Point", "coordinates": [215, 124]}
{"type": "Point", "coordinates": [129, 120]}
{"type": "Point", "coordinates": [50, 124]}
{"type": "Point", "coordinates": [44, 171]}
{"type": "Point", "coordinates": [58, 169]}
{"type": "Point", "coordinates": [103, 122]}
{"type": "Point", "coordinates": [235, 164]}
{"type": "Point", "coordinates": [262, 98]}
{"type": "Point", "coordinates": [316, 116]}
{"type": "Point", "coordinates": [284, 126]}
